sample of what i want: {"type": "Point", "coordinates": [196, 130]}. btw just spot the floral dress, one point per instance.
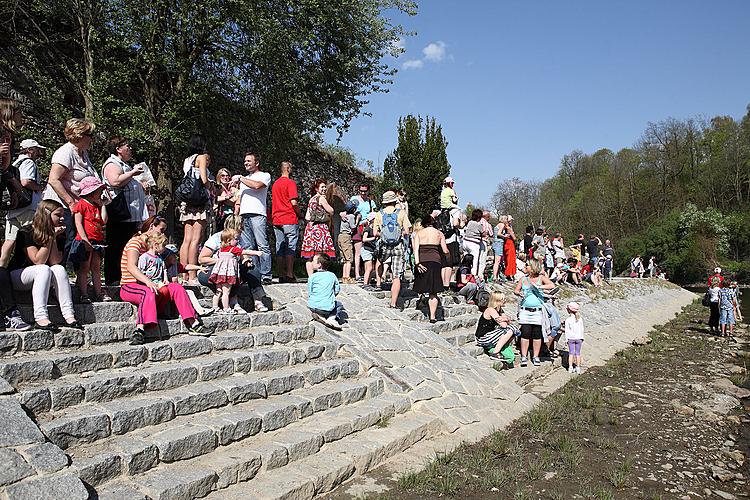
{"type": "Point", "coordinates": [226, 271]}
{"type": "Point", "coordinates": [317, 237]}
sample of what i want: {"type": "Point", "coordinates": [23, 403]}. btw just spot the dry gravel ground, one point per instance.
{"type": "Point", "coordinates": [669, 419]}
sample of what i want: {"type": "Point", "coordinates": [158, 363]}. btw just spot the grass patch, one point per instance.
{"type": "Point", "coordinates": [384, 422]}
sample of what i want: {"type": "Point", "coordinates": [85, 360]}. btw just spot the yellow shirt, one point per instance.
{"type": "Point", "coordinates": [447, 195]}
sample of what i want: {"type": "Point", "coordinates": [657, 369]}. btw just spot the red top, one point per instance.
{"type": "Point", "coordinates": [283, 191]}
{"type": "Point", "coordinates": [237, 251]}
{"type": "Point", "coordinates": [711, 278]}
{"type": "Point", "coordinates": [92, 220]}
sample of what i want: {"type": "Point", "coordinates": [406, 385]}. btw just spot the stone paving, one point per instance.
{"type": "Point", "coordinates": [268, 396]}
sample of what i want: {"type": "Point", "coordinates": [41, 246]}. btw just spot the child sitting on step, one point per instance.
{"type": "Point", "coordinates": [494, 332]}
{"type": "Point", "coordinates": [322, 288]}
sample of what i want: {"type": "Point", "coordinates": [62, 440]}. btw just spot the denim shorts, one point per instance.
{"type": "Point", "coordinates": [726, 317]}
{"type": "Point", "coordinates": [78, 253]}
{"type": "Point", "coordinates": [367, 255]}
{"type": "Point", "coordinates": [286, 239]}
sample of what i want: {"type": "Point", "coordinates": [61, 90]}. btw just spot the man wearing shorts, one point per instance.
{"type": "Point", "coordinates": [26, 171]}
{"type": "Point", "coordinates": [396, 253]}
{"type": "Point", "coordinates": [285, 218]}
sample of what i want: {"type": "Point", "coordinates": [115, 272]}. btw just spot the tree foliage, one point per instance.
{"type": "Point", "coordinates": [418, 164]}
{"type": "Point", "coordinates": [268, 74]}
{"type": "Point", "coordinates": [682, 193]}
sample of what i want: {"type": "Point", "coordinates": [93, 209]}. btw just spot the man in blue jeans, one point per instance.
{"type": "Point", "coordinates": [253, 194]}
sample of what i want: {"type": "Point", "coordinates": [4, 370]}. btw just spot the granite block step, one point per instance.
{"type": "Point", "coordinates": [132, 373]}
{"type": "Point", "coordinates": [90, 421]}
{"type": "Point", "coordinates": [97, 312]}
{"type": "Point", "coordinates": [455, 323]}
{"type": "Point", "coordinates": [423, 314]}
{"type": "Point", "coordinates": [27, 367]}
{"type": "Point", "coordinates": [275, 451]}
{"type": "Point", "coordinates": [280, 429]}
{"type": "Point", "coordinates": [336, 462]}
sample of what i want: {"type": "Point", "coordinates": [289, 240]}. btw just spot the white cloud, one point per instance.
{"type": "Point", "coordinates": [399, 44]}
{"type": "Point", "coordinates": [435, 51]}
{"type": "Point", "coordinates": [413, 64]}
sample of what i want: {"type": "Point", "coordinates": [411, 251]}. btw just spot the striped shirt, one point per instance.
{"type": "Point", "coordinates": [135, 243]}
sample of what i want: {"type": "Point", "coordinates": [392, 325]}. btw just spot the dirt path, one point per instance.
{"type": "Point", "coordinates": [662, 420]}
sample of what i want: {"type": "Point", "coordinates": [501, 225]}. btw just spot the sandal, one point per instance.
{"type": "Point", "coordinates": [105, 298]}
{"type": "Point", "coordinates": [75, 324]}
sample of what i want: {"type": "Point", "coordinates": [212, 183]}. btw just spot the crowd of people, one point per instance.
{"type": "Point", "coordinates": [102, 224]}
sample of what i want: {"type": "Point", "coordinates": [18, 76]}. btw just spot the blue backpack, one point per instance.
{"type": "Point", "coordinates": [390, 234]}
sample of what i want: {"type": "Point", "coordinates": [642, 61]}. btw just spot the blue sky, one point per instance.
{"type": "Point", "coordinates": [518, 84]}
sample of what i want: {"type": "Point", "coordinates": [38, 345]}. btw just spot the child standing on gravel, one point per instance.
{"type": "Point", "coordinates": [574, 335]}
{"type": "Point", "coordinates": [494, 331]}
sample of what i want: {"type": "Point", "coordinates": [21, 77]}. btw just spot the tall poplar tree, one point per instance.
{"type": "Point", "coordinates": [418, 164]}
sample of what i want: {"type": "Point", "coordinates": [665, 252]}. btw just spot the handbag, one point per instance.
{"type": "Point", "coordinates": [24, 195]}
{"type": "Point", "coordinates": [706, 301]}
{"type": "Point", "coordinates": [118, 209]}
{"type": "Point", "coordinates": [191, 191]}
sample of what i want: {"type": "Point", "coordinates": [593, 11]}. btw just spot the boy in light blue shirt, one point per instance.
{"type": "Point", "coordinates": [322, 288]}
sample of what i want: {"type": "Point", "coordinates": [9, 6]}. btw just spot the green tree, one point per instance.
{"type": "Point", "coordinates": [419, 163]}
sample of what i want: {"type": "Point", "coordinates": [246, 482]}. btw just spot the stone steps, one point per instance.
{"type": "Point", "coordinates": [40, 366]}
{"type": "Point", "coordinates": [445, 312]}
{"type": "Point", "coordinates": [136, 375]}
{"type": "Point", "coordinates": [220, 431]}
{"type": "Point", "coordinates": [106, 332]}
{"type": "Point", "coordinates": [336, 461]}
{"type": "Point", "coordinates": [454, 323]}
{"type": "Point", "coordinates": [127, 410]}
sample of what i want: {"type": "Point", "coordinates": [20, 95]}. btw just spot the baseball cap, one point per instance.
{"type": "Point", "coordinates": [448, 180]}
{"type": "Point", "coordinates": [31, 143]}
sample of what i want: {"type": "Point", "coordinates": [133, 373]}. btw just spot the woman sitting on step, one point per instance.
{"type": "Point", "coordinates": [36, 265]}
{"type": "Point", "coordinates": [146, 295]}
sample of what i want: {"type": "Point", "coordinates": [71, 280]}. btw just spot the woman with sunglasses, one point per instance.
{"type": "Point", "coordinates": [225, 198]}
{"type": "Point", "coordinates": [120, 178]}
{"type": "Point", "coordinates": [70, 165]}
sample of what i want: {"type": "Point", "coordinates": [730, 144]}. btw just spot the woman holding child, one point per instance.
{"type": "Point", "coordinates": [36, 265]}
{"type": "Point", "coordinates": [317, 237]}
{"type": "Point", "coordinates": [147, 295]}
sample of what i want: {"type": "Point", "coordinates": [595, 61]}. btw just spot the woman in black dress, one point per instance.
{"type": "Point", "coordinates": [430, 256]}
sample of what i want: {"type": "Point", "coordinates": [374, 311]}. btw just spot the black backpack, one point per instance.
{"type": "Point", "coordinates": [482, 298]}
{"type": "Point", "coordinates": [24, 195]}
{"type": "Point", "coordinates": [444, 223]}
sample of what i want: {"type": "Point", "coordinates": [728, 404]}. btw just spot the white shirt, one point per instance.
{"type": "Point", "coordinates": [253, 201]}
{"type": "Point", "coordinates": [78, 167]}
{"type": "Point", "coordinates": [573, 328]}
{"type": "Point", "coordinates": [27, 169]}
{"type": "Point", "coordinates": [713, 293]}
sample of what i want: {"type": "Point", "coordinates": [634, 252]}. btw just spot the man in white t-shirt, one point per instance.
{"type": "Point", "coordinates": [252, 208]}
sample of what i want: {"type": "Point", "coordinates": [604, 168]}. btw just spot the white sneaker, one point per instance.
{"type": "Point", "coordinates": [571, 369]}
{"type": "Point", "coordinates": [578, 369]}
{"type": "Point", "coordinates": [238, 309]}
{"type": "Point", "coordinates": [331, 320]}
{"type": "Point", "coordinates": [259, 307]}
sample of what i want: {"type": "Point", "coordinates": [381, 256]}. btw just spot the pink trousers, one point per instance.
{"type": "Point", "coordinates": [149, 304]}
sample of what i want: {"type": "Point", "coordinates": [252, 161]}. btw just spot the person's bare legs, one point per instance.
{"type": "Point", "coordinates": [432, 303]}
{"type": "Point", "coordinates": [346, 271]}
{"type": "Point", "coordinates": [537, 346]}
{"type": "Point", "coordinates": [495, 268]}
{"type": "Point", "coordinates": [309, 267]}
{"type": "Point", "coordinates": [395, 290]}
{"type": "Point", "coordinates": [6, 252]}
{"type": "Point", "coordinates": [357, 255]}
{"type": "Point", "coordinates": [368, 271]}
{"type": "Point", "coordinates": [524, 347]}
{"type": "Point", "coordinates": [446, 272]}
{"type": "Point", "coordinates": [96, 272]}
{"type": "Point", "coordinates": [186, 239]}
{"type": "Point", "coordinates": [195, 241]}
{"type": "Point", "coordinates": [82, 276]}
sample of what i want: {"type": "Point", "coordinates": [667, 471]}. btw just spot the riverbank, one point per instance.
{"type": "Point", "coordinates": [659, 420]}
